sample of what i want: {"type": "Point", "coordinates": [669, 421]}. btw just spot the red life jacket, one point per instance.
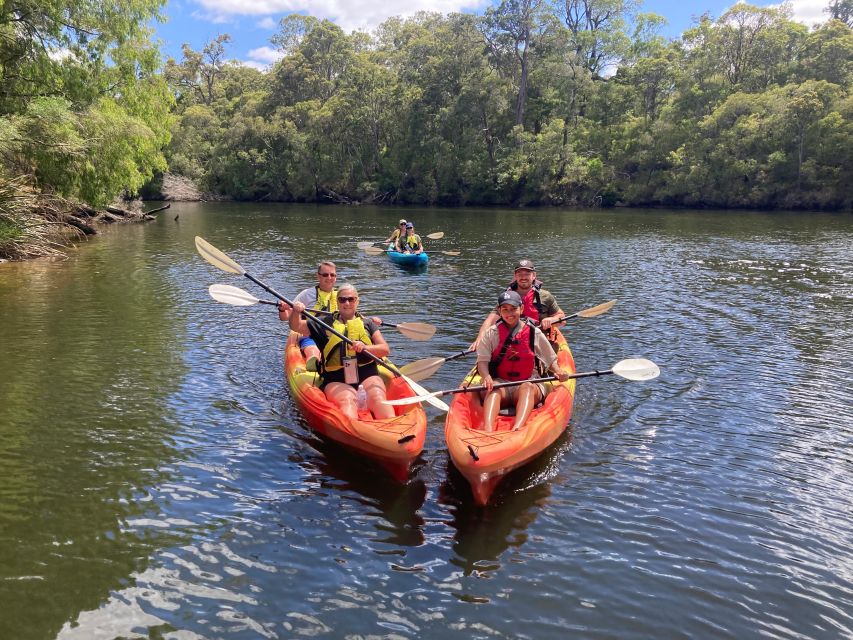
{"type": "Point", "coordinates": [515, 357]}
{"type": "Point", "coordinates": [532, 307]}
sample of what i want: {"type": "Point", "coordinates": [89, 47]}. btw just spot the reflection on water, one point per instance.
{"type": "Point", "coordinates": [156, 480]}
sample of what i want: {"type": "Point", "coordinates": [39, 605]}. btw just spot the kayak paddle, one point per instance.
{"type": "Point", "coordinates": [237, 297]}
{"type": "Point", "coordinates": [632, 369]}
{"type": "Point", "coordinates": [222, 261]}
{"type": "Point", "coordinates": [422, 369]}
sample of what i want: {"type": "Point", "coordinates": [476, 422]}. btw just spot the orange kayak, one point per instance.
{"type": "Point", "coordinates": [485, 458]}
{"type": "Point", "coordinates": [394, 442]}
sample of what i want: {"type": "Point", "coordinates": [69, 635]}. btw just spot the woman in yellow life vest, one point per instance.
{"type": "Point", "coordinates": [396, 233]}
{"type": "Point", "coordinates": [344, 367]}
{"type": "Point", "coordinates": [411, 242]}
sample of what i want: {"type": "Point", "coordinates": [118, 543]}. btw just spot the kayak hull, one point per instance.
{"type": "Point", "coordinates": [484, 458]}
{"type": "Point", "coordinates": [409, 260]}
{"type": "Point", "coordinates": [394, 443]}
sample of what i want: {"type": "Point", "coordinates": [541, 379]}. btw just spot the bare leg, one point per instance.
{"type": "Point", "coordinates": [375, 389]}
{"type": "Point", "coordinates": [344, 396]}
{"type": "Point", "coordinates": [528, 396]}
{"type": "Point", "coordinates": [312, 350]}
{"type": "Point", "coordinates": [491, 408]}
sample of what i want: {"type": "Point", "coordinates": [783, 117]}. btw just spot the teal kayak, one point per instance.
{"type": "Point", "coordinates": [412, 260]}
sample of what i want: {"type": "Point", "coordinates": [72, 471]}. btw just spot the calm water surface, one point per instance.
{"type": "Point", "coordinates": [156, 480]}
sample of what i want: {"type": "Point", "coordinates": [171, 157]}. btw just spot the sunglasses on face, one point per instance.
{"type": "Point", "coordinates": [347, 298]}
{"type": "Point", "coordinates": [328, 275]}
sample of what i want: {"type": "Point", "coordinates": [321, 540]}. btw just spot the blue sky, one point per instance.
{"type": "Point", "coordinates": [251, 23]}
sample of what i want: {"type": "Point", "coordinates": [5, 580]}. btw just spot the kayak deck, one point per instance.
{"type": "Point", "coordinates": [393, 442]}
{"type": "Point", "coordinates": [484, 458]}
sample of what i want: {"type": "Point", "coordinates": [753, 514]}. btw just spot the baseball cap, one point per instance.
{"type": "Point", "coordinates": [525, 264]}
{"type": "Point", "coordinates": [509, 297]}
{"type": "Point", "coordinates": [409, 225]}
{"type": "Point", "coordinates": [402, 222]}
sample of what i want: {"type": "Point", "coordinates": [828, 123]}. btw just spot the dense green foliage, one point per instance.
{"type": "Point", "coordinates": [530, 103]}
{"type": "Point", "coordinates": [83, 110]}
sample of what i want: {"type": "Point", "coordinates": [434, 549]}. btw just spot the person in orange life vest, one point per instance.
{"type": "Point", "coordinates": [337, 384]}
{"type": "Point", "coordinates": [411, 242]}
{"type": "Point", "coordinates": [509, 352]}
{"type": "Point", "coordinates": [539, 305]}
{"type": "Point", "coordinates": [396, 233]}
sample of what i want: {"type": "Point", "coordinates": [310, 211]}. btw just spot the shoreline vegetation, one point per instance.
{"type": "Point", "coordinates": [577, 104]}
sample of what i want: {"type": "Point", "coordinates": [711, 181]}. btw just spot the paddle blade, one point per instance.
{"type": "Point", "coordinates": [422, 369]}
{"type": "Point", "coordinates": [636, 369]}
{"type": "Point", "coordinates": [451, 253]}
{"type": "Point", "coordinates": [426, 395]}
{"type": "Point", "coordinates": [402, 402]}
{"type": "Point", "coordinates": [596, 311]}
{"type": "Point", "coordinates": [416, 330]}
{"type": "Point", "coordinates": [231, 295]}
{"type": "Point", "coordinates": [215, 257]}
{"type": "Point", "coordinates": [438, 235]}
{"type": "Point", "coordinates": [374, 251]}
{"type": "Point", "coordinates": [364, 245]}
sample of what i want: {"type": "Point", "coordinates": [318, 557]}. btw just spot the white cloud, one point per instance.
{"type": "Point", "coordinates": [267, 23]}
{"type": "Point", "coordinates": [265, 54]}
{"type": "Point", "coordinates": [260, 66]}
{"type": "Point", "coordinates": [348, 14]}
{"type": "Point", "coordinates": [810, 12]}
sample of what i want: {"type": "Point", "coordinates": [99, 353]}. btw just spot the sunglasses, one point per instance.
{"type": "Point", "coordinates": [347, 298]}
{"type": "Point", "coordinates": [328, 275]}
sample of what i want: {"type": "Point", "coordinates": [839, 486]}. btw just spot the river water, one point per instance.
{"type": "Point", "coordinates": [156, 480]}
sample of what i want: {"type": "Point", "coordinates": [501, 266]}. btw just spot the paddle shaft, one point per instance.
{"type": "Point", "coordinates": [311, 318]}
{"type": "Point", "coordinates": [515, 383]}
{"type": "Point", "coordinates": [329, 313]}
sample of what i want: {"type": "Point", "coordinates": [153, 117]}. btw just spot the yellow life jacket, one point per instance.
{"type": "Point", "coordinates": [413, 241]}
{"type": "Point", "coordinates": [326, 301]}
{"type": "Point", "coordinates": [335, 348]}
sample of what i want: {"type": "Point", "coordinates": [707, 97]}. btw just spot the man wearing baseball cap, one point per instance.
{"type": "Point", "coordinates": [514, 349]}
{"type": "Point", "coordinates": [538, 304]}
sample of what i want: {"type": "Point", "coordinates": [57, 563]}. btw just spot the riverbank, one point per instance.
{"type": "Point", "coordinates": [39, 225]}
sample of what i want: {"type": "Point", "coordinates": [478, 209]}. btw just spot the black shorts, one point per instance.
{"type": "Point", "coordinates": [364, 372]}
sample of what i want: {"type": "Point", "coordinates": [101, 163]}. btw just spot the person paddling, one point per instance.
{"type": "Point", "coordinates": [397, 233]}
{"type": "Point", "coordinates": [344, 366]}
{"type": "Point", "coordinates": [411, 242]}
{"type": "Point", "coordinates": [514, 349]}
{"type": "Point", "coordinates": [320, 297]}
{"type": "Point", "coordinates": [539, 305]}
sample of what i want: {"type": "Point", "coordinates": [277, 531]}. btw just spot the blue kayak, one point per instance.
{"type": "Point", "coordinates": [408, 259]}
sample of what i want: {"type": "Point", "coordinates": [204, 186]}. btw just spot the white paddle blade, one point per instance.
{"type": "Point", "coordinates": [364, 244]}
{"type": "Point", "coordinates": [374, 251]}
{"type": "Point", "coordinates": [402, 402]}
{"type": "Point", "coordinates": [231, 295]}
{"type": "Point", "coordinates": [426, 395]}
{"type": "Point", "coordinates": [596, 311]}
{"type": "Point", "coordinates": [418, 331]}
{"type": "Point", "coordinates": [438, 235]}
{"type": "Point", "coordinates": [451, 253]}
{"type": "Point", "coordinates": [636, 369]}
{"type": "Point", "coordinates": [422, 369]}
{"type": "Point", "coordinates": [215, 257]}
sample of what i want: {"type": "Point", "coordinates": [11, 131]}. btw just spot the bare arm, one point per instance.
{"type": "Point", "coordinates": [490, 320]}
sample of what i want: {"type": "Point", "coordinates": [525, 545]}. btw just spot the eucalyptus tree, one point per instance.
{"type": "Point", "coordinates": [841, 10]}
{"type": "Point", "coordinates": [450, 110]}
{"type": "Point", "coordinates": [196, 77]}
{"type": "Point", "coordinates": [516, 33]}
